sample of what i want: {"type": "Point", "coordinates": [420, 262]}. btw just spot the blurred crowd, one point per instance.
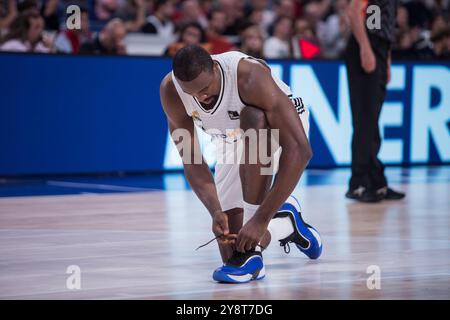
{"type": "Point", "coordinates": [298, 29]}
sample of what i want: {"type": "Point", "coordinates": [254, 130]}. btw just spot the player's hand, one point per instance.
{"type": "Point", "coordinates": [368, 62]}
{"type": "Point", "coordinates": [250, 234]}
{"type": "Point", "coordinates": [220, 228]}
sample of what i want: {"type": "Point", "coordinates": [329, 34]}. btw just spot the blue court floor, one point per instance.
{"type": "Point", "coordinates": [61, 185]}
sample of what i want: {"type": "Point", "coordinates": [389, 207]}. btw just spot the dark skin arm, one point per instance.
{"type": "Point", "coordinates": [196, 170]}
{"type": "Point", "coordinates": [296, 151]}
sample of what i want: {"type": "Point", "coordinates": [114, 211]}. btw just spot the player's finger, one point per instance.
{"type": "Point", "coordinates": [232, 236]}
{"type": "Point", "coordinates": [225, 229]}
{"type": "Point", "coordinates": [228, 239]}
{"type": "Point", "coordinates": [242, 245]}
{"type": "Point", "coordinates": [239, 243]}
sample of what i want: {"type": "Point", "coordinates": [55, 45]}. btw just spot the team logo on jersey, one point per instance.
{"type": "Point", "coordinates": [195, 115]}
{"type": "Point", "coordinates": [234, 115]}
{"type": "Point", "coordinates": [197, 120]}
{"type": "Point", "coordinates": [298, 104]}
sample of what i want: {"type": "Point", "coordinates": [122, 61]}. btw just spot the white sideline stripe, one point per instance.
{"type": "Point", "coordinates": [68, 184]}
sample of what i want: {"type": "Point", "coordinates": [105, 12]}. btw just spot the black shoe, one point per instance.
{"type": "Point", "coordinates": [389, 194]}
{"type": "Point", "coordinates": [364, 194]}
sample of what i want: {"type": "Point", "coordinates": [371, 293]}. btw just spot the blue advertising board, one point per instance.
{"type": "Point", "coordinates": [86, 114]}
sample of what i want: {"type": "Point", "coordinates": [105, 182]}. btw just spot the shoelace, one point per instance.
{"type": "Point", "coordinates": [215, 238]}
{"type": "Point", "coordinates": [286, 246]}
{"type": "Point", "coordinates": [204, 245]}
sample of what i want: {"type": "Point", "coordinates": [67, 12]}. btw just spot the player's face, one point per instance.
{"type": "Point", "coordinates": [205, 87]}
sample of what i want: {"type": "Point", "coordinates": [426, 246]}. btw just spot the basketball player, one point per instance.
{"type": "Point", "coordinates": [233, 91]}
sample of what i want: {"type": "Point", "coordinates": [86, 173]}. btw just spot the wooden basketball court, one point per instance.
{"type": "Point", "coordinates": [140, 244]}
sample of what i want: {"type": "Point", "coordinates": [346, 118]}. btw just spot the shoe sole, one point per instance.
{"type": "Point", "coordinates": [222, 277]}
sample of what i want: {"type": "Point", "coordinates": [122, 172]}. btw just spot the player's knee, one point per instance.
{"type": "Point", "coordinates": [252, 118]}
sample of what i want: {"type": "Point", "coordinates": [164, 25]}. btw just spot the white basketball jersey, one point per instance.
{"type": "Point", "coordinates": [222, 121]}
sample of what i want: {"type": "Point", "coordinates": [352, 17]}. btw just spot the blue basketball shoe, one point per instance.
{"type": "Point", "coordinates": [241, 268]}
{"type": "Point", "coordinates": [305, 237]}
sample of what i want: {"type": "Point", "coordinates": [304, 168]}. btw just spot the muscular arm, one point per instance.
{"type": "Point", "coordinates": [182, 131]}
{"type": "Point", "coordinates": [281, 115]}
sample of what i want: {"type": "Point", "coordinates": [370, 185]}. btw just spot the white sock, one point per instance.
{"type": "Point", "coordinates": [280, 228]}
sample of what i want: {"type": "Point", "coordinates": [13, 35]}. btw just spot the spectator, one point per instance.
{"type": "Point", "coordinates": [26, 5]}
{"type": "Point", "coordinates": [109, 41]}
{"type": "Point", "coordinates": [439, 23]}
{"type": "Point", "coordinates": [314, 12]}
{"type": "Point", "coordinates": [8, 15]}
{"type": "Point", "coordinates": [419, 15]}
{"type": "Point", "coordinates": [441, 41]}
{"type": "Point", "coordinates": [284, 8]}
{"type": "Point", "coordinates": [191, 33]}
{"type": "Point", "coordinates": [191, 12]}
{"type": "Point", "coordinates": [206, 6]}
{"type": "Point", "coordinates": [278, 46]}
{"type": "Point", "coordinates": [335, 31]}
{"type": "Point", "coordinates": [402, 20]}
{"type": "Point", "coordinates": [49, 12]}
{"type": "Point", "coordinates": [252, 41]}
{"type": "Point", "coordinates": [234, 13]}
{"type": "Point", "coordinates": [304, 44]}
{"type": "Point", "coordinates": [25, 34]}
{"type": "Point", "coordinates": [440, 7]}
{"type": "Point", "coordinates": [403, 48]}
{"type": "Point", "coordinates": [160, 22]}
{"type": "Point", "coordinates": [256, 16]}
{"type": "Point", "coordinates": [105, 9]}
{"type": "Point", "coordinates": [133, 13]}
{"type": "Point", "coordinates": [261, 14]}
{"type": "Point", "coordinates": [70, 41]}
{"type": "Point", "coordinates": [216, 27]}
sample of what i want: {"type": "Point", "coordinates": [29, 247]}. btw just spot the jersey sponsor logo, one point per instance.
{"type": "Point", "coordinates": [234, 115]}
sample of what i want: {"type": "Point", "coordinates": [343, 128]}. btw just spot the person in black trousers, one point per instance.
{"type": "Point", "coordinates": [368, 68]}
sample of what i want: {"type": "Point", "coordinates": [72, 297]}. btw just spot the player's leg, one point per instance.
{"type": "Point", "coordinates": [229, 192]}
{"type": "Point", "coordinates": [287, 225]}
{"type": "Point", "coordinates": [244, 267]}
{"type": "Point", "coordinates": [255, 184]}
